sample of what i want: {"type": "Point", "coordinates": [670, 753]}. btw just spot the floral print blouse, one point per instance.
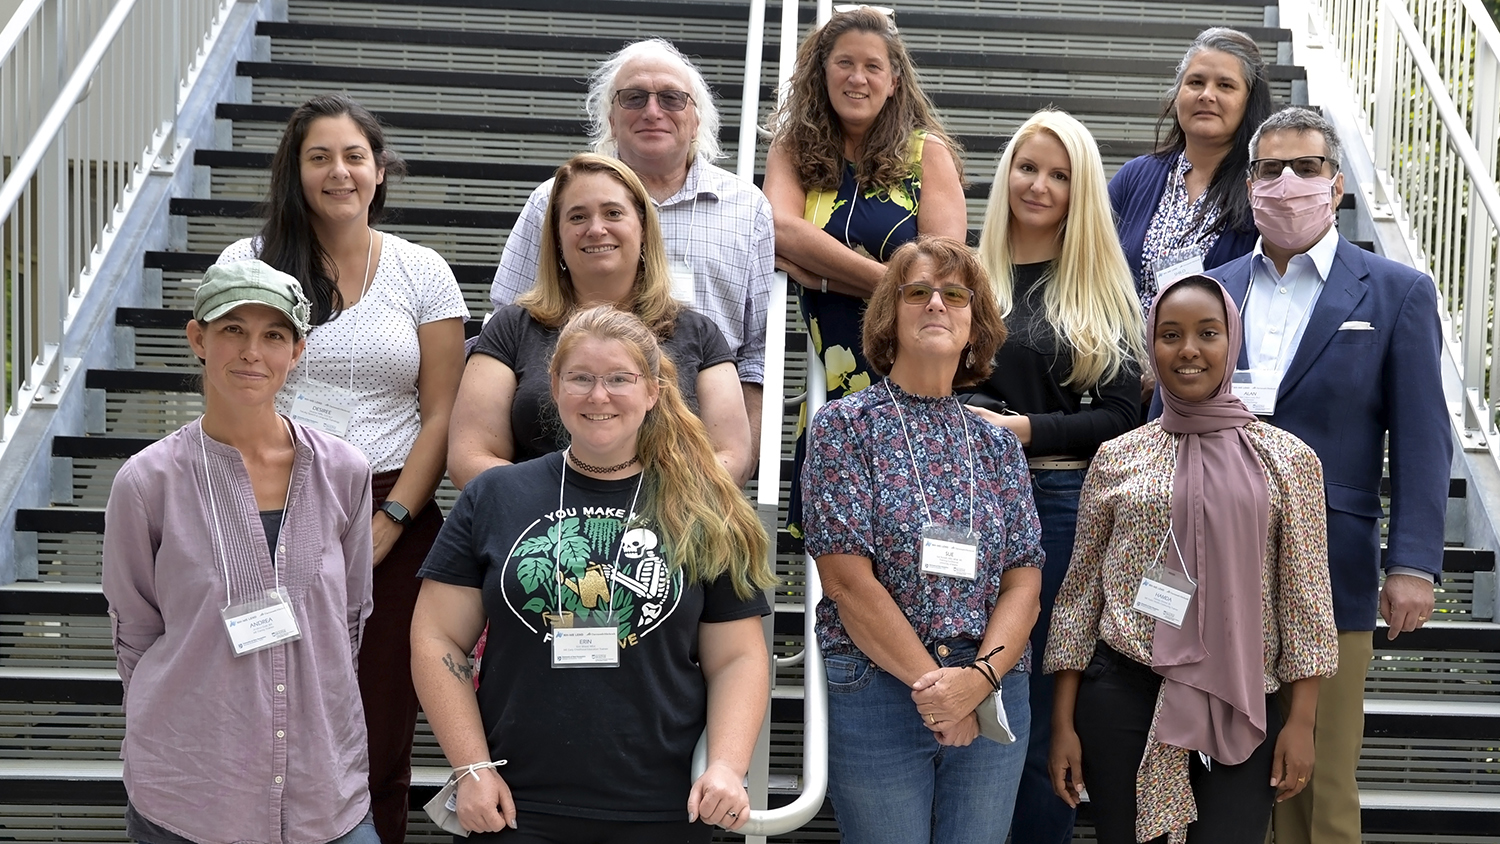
{"type": "Point", "coordinates": [860, 497]}
{"type": "Point", "coordinates": [1172, 228]}
{"type": "Point", "coordinates": [1123, 513]}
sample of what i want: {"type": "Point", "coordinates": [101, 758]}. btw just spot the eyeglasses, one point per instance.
{"type": "Point", "coordinates": [1305, 167]}
{"type": "Point", "coordinates": [635, 99]}
{"type": "Point", "coordinates": [954, 295]}
{"type": "Point", "coordinates": [582, 383]}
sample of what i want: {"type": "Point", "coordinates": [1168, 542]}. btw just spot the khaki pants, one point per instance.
{"type": "Point", "coordinates": [1327, 810]}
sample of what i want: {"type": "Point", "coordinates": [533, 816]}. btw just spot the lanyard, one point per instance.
{"type": "Point", "coordinates": [912, 455]}
{"type": "Point", "coordinates": [1161, 551]}
{"type": "Point", "coordinates": [213, 509]}
{"type": "Point", "coordinates": [364, 289]}
{"type": "Point", "coordinates": [614, 568]}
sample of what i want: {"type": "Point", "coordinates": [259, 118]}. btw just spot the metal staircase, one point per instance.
{"type": "Point", "coordinates": [484, 98]}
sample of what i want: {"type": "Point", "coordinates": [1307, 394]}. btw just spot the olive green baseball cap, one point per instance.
{"type": "Point", "coordinates": [251, 282]}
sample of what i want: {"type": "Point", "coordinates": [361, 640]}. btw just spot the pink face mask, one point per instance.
{"type": "Point", "coordinates": [1290, 211]}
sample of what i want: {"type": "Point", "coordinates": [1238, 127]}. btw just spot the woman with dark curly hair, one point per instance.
{"type": "Point", "coordinates": [859, 166]}
{"type": "Point", "coordinates": [381, 371]}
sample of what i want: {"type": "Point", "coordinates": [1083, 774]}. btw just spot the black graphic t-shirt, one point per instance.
{"type": "Point", "coordinates": [599, 743]}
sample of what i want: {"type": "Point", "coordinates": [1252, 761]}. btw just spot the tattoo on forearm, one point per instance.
{"type": "Point", "coordinates": [459, 668]}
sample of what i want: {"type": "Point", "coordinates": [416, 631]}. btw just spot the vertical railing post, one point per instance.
{"type": "Point", "coordinates": [49, 287]}
{"type": "Point", "coordinates": [1386, 38]}
{"type": "Point", "coordinates": [1479, 268]}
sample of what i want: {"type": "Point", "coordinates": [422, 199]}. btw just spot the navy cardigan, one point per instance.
{"type": "Point", "coordinates": [1135, 192]}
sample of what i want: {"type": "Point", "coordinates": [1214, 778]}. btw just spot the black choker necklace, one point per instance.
{"type": "Point", "coordinates": [601, 470]}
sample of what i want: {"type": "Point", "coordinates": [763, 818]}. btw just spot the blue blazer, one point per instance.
{"type": "Point", "coordinates": [1344, 391]}
{"type": "Point", "coordinates": [1134, 194]}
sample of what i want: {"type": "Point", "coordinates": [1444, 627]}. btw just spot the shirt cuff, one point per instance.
{"type": "Point", "coordinates": [1411, 572]}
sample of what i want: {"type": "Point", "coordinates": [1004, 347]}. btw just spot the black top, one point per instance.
{"type": "Point", "coordinates": [611, 744]}
{"type": "Point", "coordinates": [270, 522]}
{"type": "Point", "coordinates": [1030, 368]}
{"type": "Point", "coordinates": [515, 339]}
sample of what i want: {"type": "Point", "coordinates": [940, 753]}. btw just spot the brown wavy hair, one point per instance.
{"type": "Point", "coordinates": [806, 124]}
{"type": "Point", "coordinates": [553, 299]}
{"type": "Point", "coordinates": [952, 260]}
{"type": "Point", "coordinates": [707, 526]}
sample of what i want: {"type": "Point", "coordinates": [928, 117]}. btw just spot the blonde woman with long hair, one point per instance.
{"type": "Point", "coordinates": [1049, 245]}
{"type": "Point", "coordinates": [604, 245]}
{"type": "Point", "coordinates": [634, 531]}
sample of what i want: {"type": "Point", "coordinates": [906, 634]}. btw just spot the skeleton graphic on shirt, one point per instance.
{"type": "Point", "coordinates": [595, 567]}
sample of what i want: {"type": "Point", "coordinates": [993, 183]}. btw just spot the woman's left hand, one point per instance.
{"type": "Point", "coordinates": [385, 532]}
{"type": "Point", "coordinates": [945, 696]}
{"type": "Point", "coordinates": [961, 734]}
{"type": "Point", "coordinates": [1293, 762]}
{"type": "Point", "coordinates": [718, 797]}
{"type": "Point", "coordinates": [1018, 424]}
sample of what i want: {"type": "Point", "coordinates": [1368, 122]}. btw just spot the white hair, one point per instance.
{"type": "Point", "coordinates": [602, 92]}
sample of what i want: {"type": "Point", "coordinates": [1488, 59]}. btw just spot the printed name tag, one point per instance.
{"type": "Point", "coordinates": [585, 647]}
{"type": "Point", "coordinates": [1177, 265]}
{"type": "Point", "coordinates": [1164, 595]}
{"type": "Point", "coordinates": [324, 407]}
{"type": "Point", "coordinates": [1257, 388]}
{"type": "Point", "coordinates": [682, 282]}
{"type": "Point", "coordinates": [262, 623]}
{"type": "Point", "coordinates": [950, 552]}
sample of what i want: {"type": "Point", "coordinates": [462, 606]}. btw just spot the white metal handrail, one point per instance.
{"type": "Point", "coordinates": [1426, 79]}
{"type": "Point", "coordinates": [764, 822]}
{"type": "Point", "coordinates": [89, 93]}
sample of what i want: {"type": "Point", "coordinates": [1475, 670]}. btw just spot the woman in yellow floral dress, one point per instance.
{"type": "Point", "coordinates": [859, 165]}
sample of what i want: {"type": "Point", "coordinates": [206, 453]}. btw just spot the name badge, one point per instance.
{"type": "Point", "coordinates": [1164, 595]}
{"type": "Point", "coordinates": [1176, 265]}
{"type": "Point", "coordinates": [323, 407]}
{"type": "Point", "coordinates": [586, 647]}
{"type": "Point", "coordinates": [682, 282]}
{"type": "Point", "coordinates": [950, 552]}
{"type": "Point", "coordinates": [1257, 388]}
{"type": "Point", "coordinates": [261, 623]}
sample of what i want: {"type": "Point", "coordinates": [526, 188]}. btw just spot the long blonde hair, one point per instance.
{"type": "Point", "coordinates": [552, 299]}
{"type": "Point", "coordinates": [704, 520]}
{"type": "Point", "coordinates": [1089, 299]}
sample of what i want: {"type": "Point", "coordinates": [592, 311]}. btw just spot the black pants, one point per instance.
{"type": "Point", "coordinates": [538, 828]}
{"type": "Point", "coordinates": [1113, 715]}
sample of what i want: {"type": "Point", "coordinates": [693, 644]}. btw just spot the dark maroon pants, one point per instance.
{"type": "Point", "coordinates": [385, 685]}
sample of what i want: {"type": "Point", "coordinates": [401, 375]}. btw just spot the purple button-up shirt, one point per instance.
{"type": "Point", "coordinates": [270, 746]}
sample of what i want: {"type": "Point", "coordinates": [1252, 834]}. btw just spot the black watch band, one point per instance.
{"type": "Point", "coordinates": [400, 515]}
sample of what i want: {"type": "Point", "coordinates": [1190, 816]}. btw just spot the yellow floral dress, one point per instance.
{"type": "Point", "coordinates": [874, 222]}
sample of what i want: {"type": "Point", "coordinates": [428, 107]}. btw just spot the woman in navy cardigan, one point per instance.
{"type": "Point", "coordinates": [1187, 201]}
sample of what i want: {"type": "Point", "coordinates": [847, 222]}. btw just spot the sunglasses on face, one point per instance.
{"type": "Point", "coordinates": [954, 295]}
{"type": "Point", "coordinates": [1305, 167]}
{"type": "Point", "coordinates": [635, 99]}
{"type": "Point", "coordinates": [582, 383]}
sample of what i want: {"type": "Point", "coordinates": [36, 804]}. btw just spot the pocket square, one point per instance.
{"type": "Point", "coordinates": [1356, 325]}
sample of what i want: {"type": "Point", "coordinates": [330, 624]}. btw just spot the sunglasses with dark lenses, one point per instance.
{"type": "Point", "coordinates": [954, 295]}
{"type": "Point", "coordinates": [1305, 167]}
{"type": "Point", "coordinates": [635, 99]}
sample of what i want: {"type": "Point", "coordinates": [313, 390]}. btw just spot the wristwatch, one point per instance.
{"type": "Point", "coordinates": [400, 515]}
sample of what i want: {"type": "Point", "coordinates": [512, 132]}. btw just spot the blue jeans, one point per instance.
{"type": "Point", "coordinates": [890, 780]}
{"type": "Point", "coordinates": [1043, 818]}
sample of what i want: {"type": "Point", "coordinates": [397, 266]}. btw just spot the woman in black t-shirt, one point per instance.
{"type": "Point", "coordinates": [602, 227]}
{"type": "Point", "coordinates": [634, 531]}
{"type": "Point", "coordinates": [1068, 376]}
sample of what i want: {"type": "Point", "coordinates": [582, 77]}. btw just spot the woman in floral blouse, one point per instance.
{"type": "Point", "coordinates": [1166, 663]}
{"type": "Point", "coordinates": [921, 520]}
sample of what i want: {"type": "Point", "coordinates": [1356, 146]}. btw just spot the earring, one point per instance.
{"type": "Point", "coordinates": [969, 361]}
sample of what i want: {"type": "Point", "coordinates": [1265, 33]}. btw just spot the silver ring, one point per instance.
{"type": "Point", "coordinates": [734, 815]}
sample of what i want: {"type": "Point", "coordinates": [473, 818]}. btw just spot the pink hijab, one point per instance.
{"type": "Point", "coordinates": [1213, 693]}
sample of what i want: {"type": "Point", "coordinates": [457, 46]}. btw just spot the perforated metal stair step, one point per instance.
{"type": "Point", "coordinates": [198, 262]}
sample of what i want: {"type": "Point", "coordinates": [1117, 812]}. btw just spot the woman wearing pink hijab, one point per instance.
{"type": "Point", "coordinates": [1198, 585]}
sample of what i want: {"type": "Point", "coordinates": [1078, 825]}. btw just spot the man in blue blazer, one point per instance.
{"type": "Point", "coordinates": [1342, 349]}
